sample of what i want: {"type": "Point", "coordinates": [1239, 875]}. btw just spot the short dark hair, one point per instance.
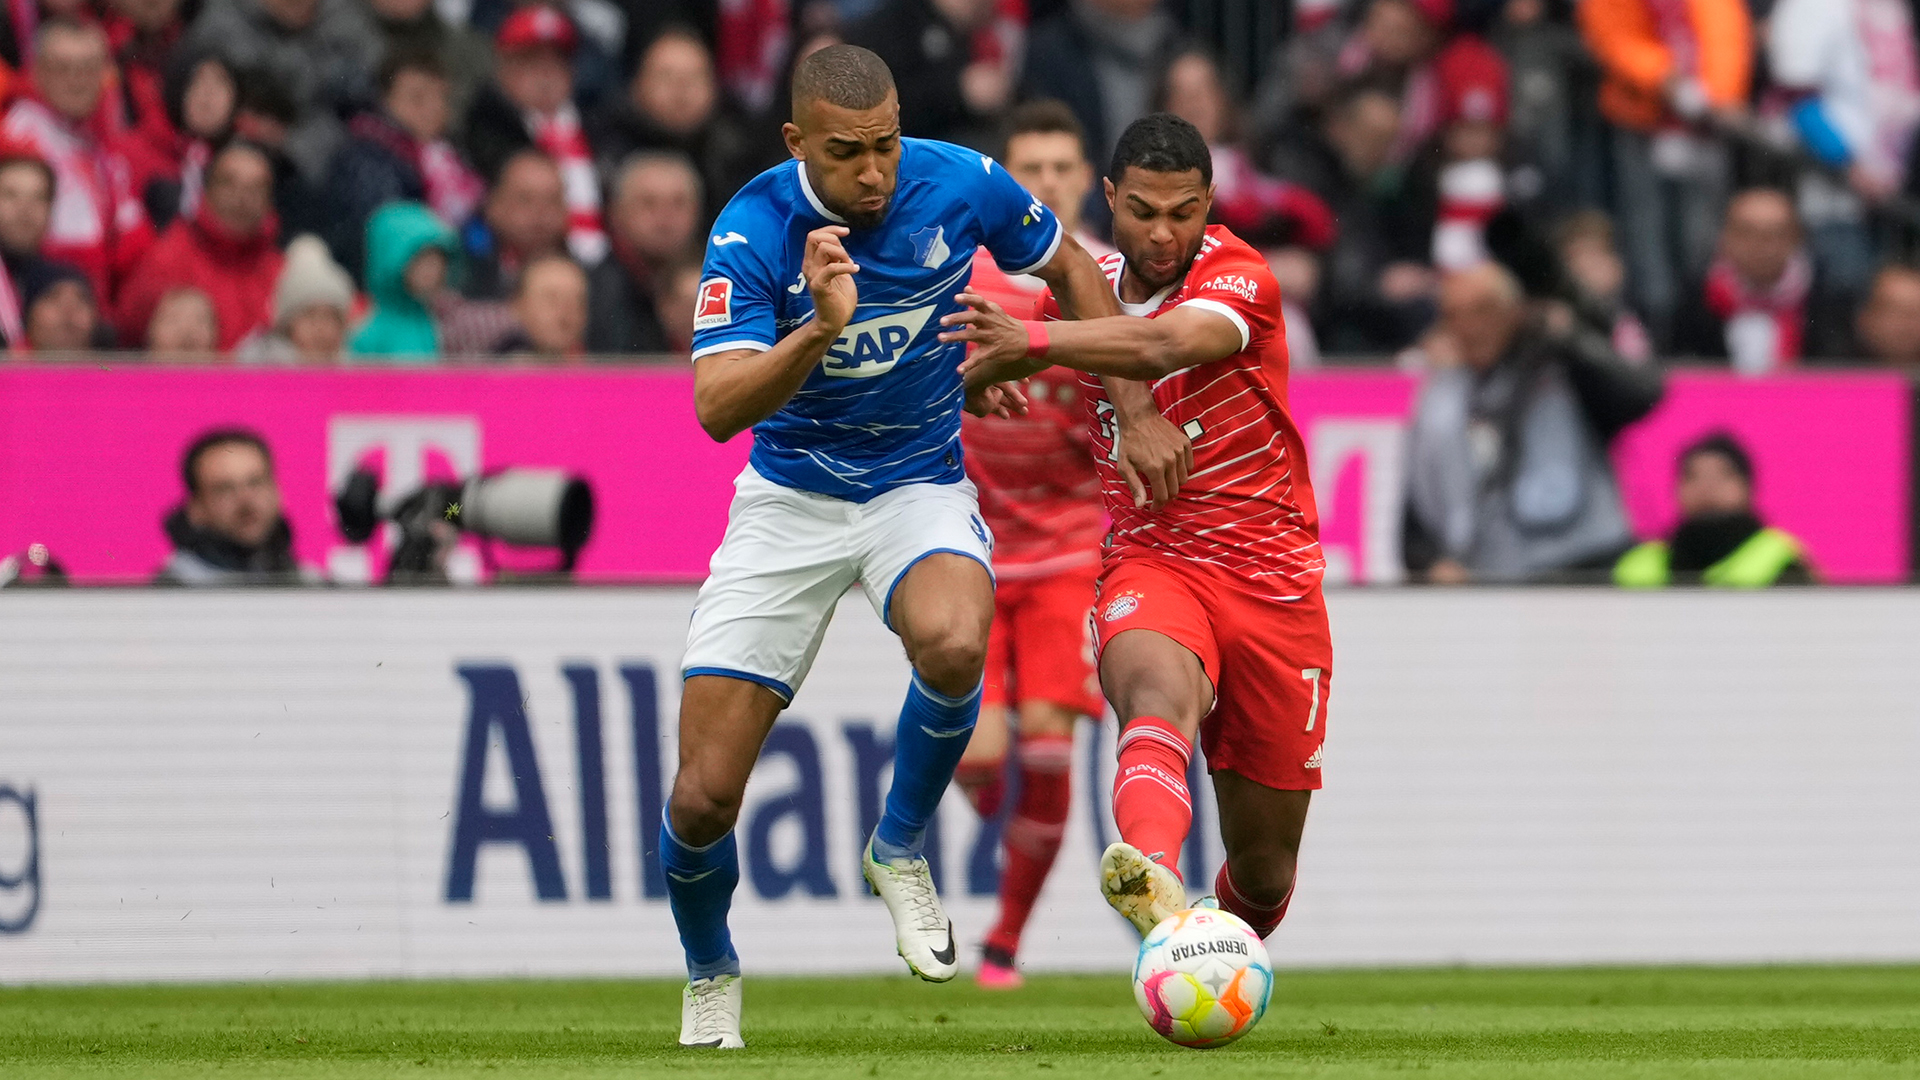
{"type": "Point", "coordinates": [213, 440]}
{"type": "Point", "coordinates": [1043, 116]}
{"type": "Point", "coordinates": [400, 61]}
{"type": "Point", "coordinates": [1161, 142]}
{"type": "Point", "coordinates": [844, 75]}
{"type": "Point", "coordinates": [237, 142]}
{"type": "Point", "coordinates": [1724, 444]}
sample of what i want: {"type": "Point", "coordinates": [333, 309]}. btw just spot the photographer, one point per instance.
{"type": "Point", "coordinates": [230, 530]}
{"type": "Point", "coordinates": [1508, 478]}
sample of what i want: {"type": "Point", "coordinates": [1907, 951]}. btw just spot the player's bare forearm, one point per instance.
{"type": "Point", "coordinates": [732, 391]}
{"type": "Point", "coordinates": [1078, 284]}
{"type": "Point", "coordinates": [1131, 348]}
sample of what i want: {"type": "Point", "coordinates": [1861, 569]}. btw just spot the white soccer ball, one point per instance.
{"type": "Point", "coordinates": [1202, 978]}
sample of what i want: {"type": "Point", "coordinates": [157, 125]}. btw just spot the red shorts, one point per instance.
{"type": "Point", "coordinates": [1039, 648]}
{"type": "Point", "coordinates": [1271, 663]}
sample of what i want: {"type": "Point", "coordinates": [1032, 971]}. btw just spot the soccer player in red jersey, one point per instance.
{"type": "Point", "coordinates": [1041, 497]}
{"type": "Point", "coordinates": [1210, 617]}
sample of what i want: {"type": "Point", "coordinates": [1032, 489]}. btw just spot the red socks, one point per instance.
{"type": "Point", "coordinates": [1033, 833]}
{"type": "Point", "coordinates": [984, 784]}
{"type": "Point", "coordinates": [1150, 800]}
{"type": "Point", "coordinates": [1262, 919]}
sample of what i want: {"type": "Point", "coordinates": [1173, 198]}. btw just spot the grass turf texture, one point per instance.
{"type": "Point", "coordinates": [1642, 1022]}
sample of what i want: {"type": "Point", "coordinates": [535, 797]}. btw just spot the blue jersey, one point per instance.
{"type": "Point", "coordinates": [883, 408]}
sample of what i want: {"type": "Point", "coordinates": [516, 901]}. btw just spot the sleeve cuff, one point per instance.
{"type": "Point", "coordinates": [729, 346]}
{"type": "Point", "coordinates": [1232, 316]}
{"type": "Point", "coordinates": [1059, 233]}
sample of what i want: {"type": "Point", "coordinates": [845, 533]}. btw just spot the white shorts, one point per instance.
{"type": "Point", "coordinates": [790, 555]}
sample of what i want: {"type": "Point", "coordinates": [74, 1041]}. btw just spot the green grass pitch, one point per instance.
{"type": "Point", "coordinates": [1768, 1022]}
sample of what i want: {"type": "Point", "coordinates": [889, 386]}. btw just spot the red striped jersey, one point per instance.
{"type": "Point", "coordinates": [1248, 508]}
{"type": "Point", "coordinates": [1038, 489]}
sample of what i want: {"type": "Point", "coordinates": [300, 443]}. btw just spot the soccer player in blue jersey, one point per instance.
{"type": "Point", "coordinates": [817, 327]}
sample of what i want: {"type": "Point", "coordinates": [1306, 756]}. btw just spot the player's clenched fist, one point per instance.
{"type": "Point", "coordinates": [828, 271]}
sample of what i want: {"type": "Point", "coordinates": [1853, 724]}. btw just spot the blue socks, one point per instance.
{"type": "Point", "coordinates": [700, 884]}
{"type": "Point", "coordinates": [934, 729]}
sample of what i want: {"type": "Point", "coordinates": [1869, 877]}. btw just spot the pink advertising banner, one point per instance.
{"type": "Point", "coordinates": [89, 458]}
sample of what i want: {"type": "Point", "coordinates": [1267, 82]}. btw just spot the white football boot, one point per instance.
{"type": "Point", "coordinates": [1139, 888]}
{"type": "Point", "coordinates": [710, 1013]}
{"type": "Point", "coordinates": [921, 930]}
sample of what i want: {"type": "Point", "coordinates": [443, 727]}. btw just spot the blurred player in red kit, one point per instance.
{"type": "Point", "coordinates": [1041, 497]}
{"type": "Point", "coordinates": [1209, 615]}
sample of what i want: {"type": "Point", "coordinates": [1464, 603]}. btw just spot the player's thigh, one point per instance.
{"type": "Point", "coordinates": [785, 562]}
{"type": "Point", "coordinates": [1275, 685]}
{"type": "Point", "coordinates": [1053, 653]}
{"type": "Point", "coordinates": [1157, 653]}
{"type": "Point", "coordinates": [1260, 828]}
{"type": "Point", "coordinates": [924, 556]}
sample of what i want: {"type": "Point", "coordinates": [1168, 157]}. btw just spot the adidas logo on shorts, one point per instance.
{"type": "Point", "coordinates": [1314, 761]}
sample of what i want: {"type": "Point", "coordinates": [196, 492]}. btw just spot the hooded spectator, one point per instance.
{"type": "Point", "coordinates": [673, 103]}
{"type": "Point", "coordinates": [229, 249]}
{"type": "Point", "coordinates": [1888, 325]}
{"type": "Point", "coordinates": [400, 151]}
{"type": "Point", "coordinates": [169, 161]}
{"type": "Point", "coordinates": [98, 223]}
{"type": "Point", "coordinates": [529, 104]}
{"type": "Point", "coordinates": [552, 308]}
{"type": "Point", "coordinates": [945, 91]}
{"type": "Point", "coordinates": [184, 326]}
{"type": "Point", "coordinates": [525, 216]}
{"type": "Point", "coordinates": [656, 222]}
{"type": "Point", "coordinates": [322, 52]}
{"type": "Point", "coordinates": [1671, 68]}
{"type": "Point", "coordinates": [60, 311]}
{"type": "Point", "coordinates": [1509, 476]}
{"type": "Point", "coordinates": [311, 303]}
{"type": "Point", "coordinates": [1101, 58]}
{"type": "Point", "coordinates": [230, 529]}
{"type": "Point", "coordinates": [409, 251]}
{"type": "Point", "coordinates": [26, 207]}
{"type": "Point", "coordinates": [1761, 306]}
{"type": "Point", "coordinates": [416, 28]}
{"type": "Point", "coordinates": [1719, 539]}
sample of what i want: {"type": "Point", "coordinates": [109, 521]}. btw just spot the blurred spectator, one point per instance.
{"type": "Point", "coordinates": [1718, 540]}
{"type": "Point", "coordinates": [1888, 325]}
{"type": "Point", "coordinates": [1596, 281]}
{"type": "Point", "coordinates": [409, 250]}
{"type": "Point", "coordinates": [1297, 271]}
{"type": "Point", "coordinates": [184, 326]}
{"type": "Point", "coordinates": [60, 310]}
{"type": "Point", "coordinates": [322, 52]}
{"type": "Point", "coordinates": [525, 216]}
{"type": "Point", "coordinates": [552, 308]}
{"type": "Point", "coordinates": [230, 530]}
{"type": "Point", "coordinates": [144, 36]}
{"type": "Point", "coordinates": [98, 223]}
{"type": "Point", "coordinates": [1850, 70]}
{"type": "Point", "coordinates": [1761, 306]}
{"type": "Point", "coordinates": [1670, 67]}
{"type": "Point", "coordinates": [1377, 290]}
{"type": "Point", "coordinates": [673, 296]}
{"type": "Point", "coordinates": [229, 249]}
{"type": "Point", "coordinates": [673, 103]}
{"type": "Point", "coordinates": [656, 221]}
{"type": "Point", "coordinates": [1508, 477]}
{"type": "Point", "coordinates": [400, 151]}
{"type": "Point", "coordinates": [417, 28]}
{"type": "Point", "coordinates": [267, 117]}
{"type": "Point", "coordinates": [754, 59]}
{"type": "Point", "coordinates": [1259, 209]}
{"type": "Point", "coordinates": [1442, 76]}
{"type": "Point", "coordinates": [311, 302]}
{"type": "Point", "coordinates": [944, 92]}
{"type": "Point", "coordinates": [26, 206]}
{"type": "Point", "coordinates": [169, 162]}
{"type": "Point", "coordinates": [530, 104]}
{"type": "Point", "coordinates": [1101, 58]}
{"type": "Point", "coordinates": [1554, 127]}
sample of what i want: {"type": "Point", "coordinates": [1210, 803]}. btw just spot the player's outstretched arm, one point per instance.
{"type": "Point", "coordinates": [1120, 345]}
{"type": "Point", "coordinates": [734, 390]}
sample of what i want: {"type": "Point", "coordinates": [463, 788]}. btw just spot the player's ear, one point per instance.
{"type": "Point", "coordinates": [1108, 182]}
{"type": "Point", "coordinates": [796, 142]}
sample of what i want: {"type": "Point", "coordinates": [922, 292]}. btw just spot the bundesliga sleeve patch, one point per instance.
{"type": "Point", "coordinates": [715, 306]}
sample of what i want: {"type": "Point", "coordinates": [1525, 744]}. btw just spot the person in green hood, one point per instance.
{"type": "Point", "coordinates": [409, 251]}
{"type": "Point", "coordinates": [1719, 540]}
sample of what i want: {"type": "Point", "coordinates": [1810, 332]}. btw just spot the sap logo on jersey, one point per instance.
{"type": "Point", "coordinates": [870, 348]}
{"type": "Point", "coordinates": [715, 306]}
{"type": "Point", "coordinates": [1238, 284]}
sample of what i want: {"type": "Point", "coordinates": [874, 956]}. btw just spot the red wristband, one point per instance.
{"type": "Point", "coordinates": [1037, 343]}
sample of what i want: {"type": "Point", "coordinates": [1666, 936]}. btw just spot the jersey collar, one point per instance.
{"type": "Point", "coordinates": [800, 171]}
{"type": "Point", "coordinates": [1148, 306]}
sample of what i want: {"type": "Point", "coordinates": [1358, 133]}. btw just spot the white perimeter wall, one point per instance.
{"type": "Point", "coordinates": [242, 785]}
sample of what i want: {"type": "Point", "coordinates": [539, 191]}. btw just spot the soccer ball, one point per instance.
{"type": "Point", "coordinates": [1202, 978]}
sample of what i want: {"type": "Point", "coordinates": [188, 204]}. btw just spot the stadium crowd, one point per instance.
{"type": "Point", "coordinates": [302, 181]}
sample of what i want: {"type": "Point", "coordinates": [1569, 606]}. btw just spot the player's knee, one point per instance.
{"type": "Point", "coordinates": [1264, 880]}
{"type": "Point", "coordinates": [952, 660]}
{"type": "Point", "coordinates": [701, 811]}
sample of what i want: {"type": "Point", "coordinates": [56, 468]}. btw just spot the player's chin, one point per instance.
{"type": "Point", "coordinates": [862, 218]}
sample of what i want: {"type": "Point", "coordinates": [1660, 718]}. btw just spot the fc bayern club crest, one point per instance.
{"type": "Point", "coordinates": [1121, 606]}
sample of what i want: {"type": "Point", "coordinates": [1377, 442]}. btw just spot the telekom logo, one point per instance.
{"type": "Point", "coordinates": [415, 450]}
